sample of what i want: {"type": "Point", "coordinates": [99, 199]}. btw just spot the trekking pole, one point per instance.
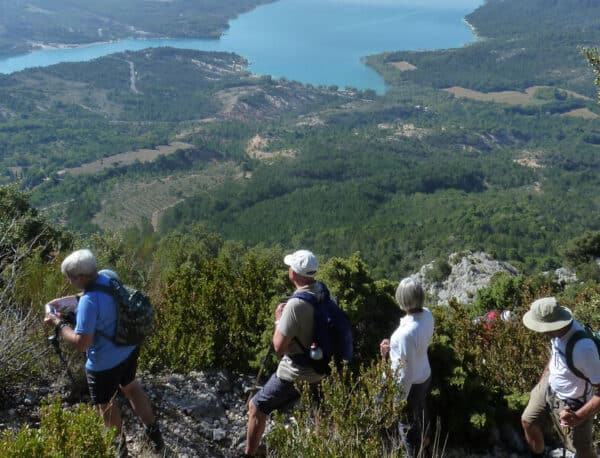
{"type": "Point", "coordinates": [260, 369]}
{"type": "Point", "coordinates": [54, 340]}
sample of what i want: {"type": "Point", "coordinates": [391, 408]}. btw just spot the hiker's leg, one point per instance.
{"type": "Point", "coordinates": [256, 427]}
{"type": "Point", "coordinates": [132, 389]}
{"type": "Point", "coordinates": [414, 431]}
{"type": "Point", "coordinates": [274, 395]}
{"type": "Point", "coordinates": [533, 416]}
{"type": "Point", "coordinates": [111, 414]}
{"type": "Point", "coordinates": [139, 401]}
{"type": "Point", "coordinates": [534, 436]}
{"type": "Point", "coordinates": [103, 386]}
{"type": "Point", "coordinates": [142, 407]}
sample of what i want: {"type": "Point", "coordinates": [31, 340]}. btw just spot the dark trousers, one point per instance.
{"type": "Point", "coordinates": [416, 427]}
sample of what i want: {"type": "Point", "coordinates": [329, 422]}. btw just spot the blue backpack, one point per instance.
{"type": "Point", "coordinates": [332, 333]}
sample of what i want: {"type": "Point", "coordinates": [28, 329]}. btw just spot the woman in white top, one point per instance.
{"type": "Point", "coordinates": [407, 349]}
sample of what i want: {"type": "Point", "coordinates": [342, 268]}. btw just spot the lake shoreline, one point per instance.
{"type": "Point", "coordinates": [356, 37]}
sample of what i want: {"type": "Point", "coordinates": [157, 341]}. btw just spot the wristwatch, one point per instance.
{"type": "Point", "coordinates": [61, 324]}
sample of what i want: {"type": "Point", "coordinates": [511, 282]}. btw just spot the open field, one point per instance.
{"type": "Point", "coordinates": [128, 158]}
{"type": "Point", "coordinates": [507, 97]}
{"type": "Point", "coordinates": [582, 113]}
{"type": "Point", "coordinates": [257, 149]}
{"type": "Point", "coordinates": [403, 66]}
{"type": "Point", "coordinates": [129, 201]}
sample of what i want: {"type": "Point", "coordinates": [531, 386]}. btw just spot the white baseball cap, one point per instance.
{"type": "Point", "coordinates": [303, 262]}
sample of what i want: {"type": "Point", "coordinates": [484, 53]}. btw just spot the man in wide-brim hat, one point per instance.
{"type": "Point", "coordinates": [569, 389]}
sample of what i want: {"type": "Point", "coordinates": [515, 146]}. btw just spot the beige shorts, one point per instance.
{"type": "Point", "coordinates": [544, 405]}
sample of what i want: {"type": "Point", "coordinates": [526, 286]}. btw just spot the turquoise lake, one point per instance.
{"type": "Point", "coordinates": [313, 41]}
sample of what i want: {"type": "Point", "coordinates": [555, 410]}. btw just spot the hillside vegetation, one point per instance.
{"type": "Point", "coordinates": [402, 178]}
{"type": "Point", "coordinates": [196, 278]}
{"type": "Point", "coordinates": [24, 24]}
{"type": "Point", "coordinates": [376, 186]}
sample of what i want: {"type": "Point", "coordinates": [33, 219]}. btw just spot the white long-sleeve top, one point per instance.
{"type": "Point", "coordinates": [408, 349]}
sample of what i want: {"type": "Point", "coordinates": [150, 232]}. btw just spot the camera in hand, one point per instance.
{"type": "Point", "coordinates": [66, 307]}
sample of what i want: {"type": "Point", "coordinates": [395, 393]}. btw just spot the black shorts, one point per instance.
{"type": "Point", "coordinates": [103, 385]}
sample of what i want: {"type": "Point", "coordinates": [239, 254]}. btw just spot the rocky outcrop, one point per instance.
{"type": "Point", "coordinates": [469, 272]}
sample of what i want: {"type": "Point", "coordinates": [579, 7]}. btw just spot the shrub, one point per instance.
{"type": "Point", "coordinates": [19, 347]}
{"type": "Point", "coordinates": [370, 304]}
{"type": "Point", "coordinates": [583, 249]}
{"type": "Point", "coordinates": [354, 418]}
{"type": "Point", "coordinates": [485, 373]}
{"type": "Point", "coordinates": [215, 311]}
{"type": "Point", "coordinates": [439, 272]}
{"type": "Point", "coordinates": [80, 433]}
{"type": "Point", "coordinates": [507, 292]}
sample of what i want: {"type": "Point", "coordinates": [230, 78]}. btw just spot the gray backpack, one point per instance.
{"type": "Point", "coordinates": [135, 314]}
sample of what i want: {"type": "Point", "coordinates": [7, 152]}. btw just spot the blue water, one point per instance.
{"type": "Point", "coordinates": [313, 41]}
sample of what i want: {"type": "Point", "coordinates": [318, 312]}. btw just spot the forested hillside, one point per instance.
{"type": "Point", "coordinates": [192, 177]}
{"type": "Point", "coordinates": [522, 44]}
{"type": "Point", "coordinates": [25, 24]}
{"type": "Point", "coordinates": [427, 169]}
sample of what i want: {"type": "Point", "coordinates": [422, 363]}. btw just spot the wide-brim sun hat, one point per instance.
{"type": "Point", "coordinates": [547, 315]}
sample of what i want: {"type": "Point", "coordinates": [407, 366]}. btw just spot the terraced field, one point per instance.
{"type": "Point", "coordinates": [128, 158]}
{"type": "Point", "coordinates": [507, 97]}
{"type": "Point", "coordinates": [131, 201]}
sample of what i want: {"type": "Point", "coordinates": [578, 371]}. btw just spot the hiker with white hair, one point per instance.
{"type": "Point", "coordinates": [109, 367]}
{"type": "Point", "coordinates": [407, 349]}
{"type": "Point", "coordinates": [569, 389]}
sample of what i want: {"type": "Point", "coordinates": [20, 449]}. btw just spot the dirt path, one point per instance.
{"type": "Point", "coordinates": [132, 85]}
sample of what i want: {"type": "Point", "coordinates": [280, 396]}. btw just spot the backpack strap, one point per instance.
{"type": "Point", "coordinates": [111, 291]}
{"type": "Point", "coordinates": [102, 288]}
{"type": "Point", "coordinates": [303, 359]}
{"type": "Point", "coordinates": [306, 297]}
{"type": "Point", "coordinates": [576, 337]}
{"type": "Point", "coordinates": [312, 300]}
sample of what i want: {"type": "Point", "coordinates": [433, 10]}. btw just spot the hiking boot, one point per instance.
{"type": "Point", "coordinates": [154, 437]}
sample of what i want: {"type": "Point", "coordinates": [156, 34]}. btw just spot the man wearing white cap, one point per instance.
{"type": "Point", "coordinates": [568, 392]}
{"type": "Point", "coordinates": [293, 330]}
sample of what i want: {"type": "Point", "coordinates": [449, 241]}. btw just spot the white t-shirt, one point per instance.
{"type": "Point", "coordinates": [408, 349]}
{"type": "Point", "coordinates": [563, 382]}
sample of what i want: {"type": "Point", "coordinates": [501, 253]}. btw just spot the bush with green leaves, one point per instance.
{"type": "Point", "coordinates": [356, 416]}
{"type": "Point", "coordinates": [509, 292]}
{"type": "Point", "coordinates": [62, 433]}
{"type": "Point", "coordinates": [369, 303]}
{"type": "Point", "coordinates": [28, 246]}
{"type": "Point", "coordinates": [581, 253]}
{"type": "Point", "coordinates": [485, 369]}
{"type": "Point", "coordinates": [439, 272]}
{"type": "Point", "coordinates": [214, 311]}
{"type": "Point", "coordinates": [216, 303]}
